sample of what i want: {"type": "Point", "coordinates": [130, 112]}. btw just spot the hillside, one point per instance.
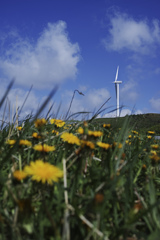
{"type": "Point", "coordinates": [141, 122]}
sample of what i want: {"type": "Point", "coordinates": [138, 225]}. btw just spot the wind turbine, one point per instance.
{"type": "Point", "coordinates": [117, 90]}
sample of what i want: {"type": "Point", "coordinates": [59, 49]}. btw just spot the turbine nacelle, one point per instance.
{"type": "Point", "coordinates": [117, 82]}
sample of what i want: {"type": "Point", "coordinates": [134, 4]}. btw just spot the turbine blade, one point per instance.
{"type": "Point", "coordinates": [116, 90]}
{"type": "Point", "coordinates": [117, 74]}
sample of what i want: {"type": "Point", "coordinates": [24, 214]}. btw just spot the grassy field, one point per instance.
{"type": "Point", "coordinates": [87, 180]}
{"type": "Point", "coordinates": [141, 123]}
{"type": "Point", "coordinates": [90, 180]}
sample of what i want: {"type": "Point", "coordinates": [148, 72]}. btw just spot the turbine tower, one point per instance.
{"type": "Point", "coordinates": [117, 90]}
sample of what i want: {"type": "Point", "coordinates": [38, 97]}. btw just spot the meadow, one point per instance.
{"type": "Point", "coordinates": [78, 180]}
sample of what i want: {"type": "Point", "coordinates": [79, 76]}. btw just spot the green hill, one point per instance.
{"type": "Point", "coordinates": [140, 122]}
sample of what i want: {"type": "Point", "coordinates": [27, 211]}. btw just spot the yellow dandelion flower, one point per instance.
{"type": "Point", "coordinates": [25, 142]}
{"type": "Point", "coordinates": [95, 133]}
{"type": "Point", "coordinates": [120, 145]}
{"type": "Point", "coordinates": [130, 136]}
{"type": "Point", "coordinates": [135, 132]}
{"type": "Point", "coordinates": [108, 125]}
{"type": "Point", "coordinates": [44, 148]}
{"type": "Point", "coordinates": [56, 132]}
{"type": "Point", "coordinates": [19, 175]}
{"type": "Point", "coordinates": [52, 121]}
{"type": "Point", "coordinates": [70, 138]}
{"type": "Point", "coordinates": [11, 141]}
{"type": "Point", "coordinates": [155, 146]}
{"type": "Point", "coordinates": [149, 136]}
{"type": "Point", "coordinates": [87, 144]}
{"type": "Point", "coordinates": [68, 126]}
{"type": "Point", "coordinates": [19, 128]}
{"type": "Point", "coordinates": [40, 122]}
{"type": "Point", "coordinates": [103, 145]}
{"type": "Point", "coordinates": [128, 142]}
{"type": "Point", "coordinates": [57, 122]}
{"type": "Point", "coordinates": [155, 157]}
{"type": "Point", "coordinates": [153, 152]}
{"type": "Point", "coordinates": [47, 148]}
{"type": "Point", "coordinates": [43, 171]}
{"type": "Point", "coordinates": [151, 132]}
{"type": "Point", "coordinates": [144, 166]}
{"type": "Point", "coordinates": [38, 147]}
{"type": "Point", "coordinates": [60, 123]}
{"type": "Point", "coordinates": [85, 124]}
{"type": "Point", "coordinates": [80, 130]}
{"type": "Point", "coordinates": [35, 135]}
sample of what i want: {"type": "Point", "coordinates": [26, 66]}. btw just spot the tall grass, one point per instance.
{"type": "Point", "coordinates": [109, 189]}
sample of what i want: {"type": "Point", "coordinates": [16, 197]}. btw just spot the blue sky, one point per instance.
{"type": "Point", "coordinates": [78, 44]}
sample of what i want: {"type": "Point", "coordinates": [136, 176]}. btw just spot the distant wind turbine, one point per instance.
{"type": "Point", "coordinates": [117, 90]}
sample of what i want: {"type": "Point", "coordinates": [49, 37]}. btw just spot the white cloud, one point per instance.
{"type": "Point", "coordinates": [128, 33]}
{"type": "Point", "coordinates": [25, 102]}
{"type": "Point", "coordinates": [138, 112]}
{"type": "Point", "coordinates": [155, 103]}
{"type": "Point", "coordinates": [96, 97]}
{"type": "Point", "coordinates": [17, 97]}
{"type": "Point", "coordinates": [51, 59]}
{"type": "Point", "coordinates": [109, 115]}
{"type": "Point", "coordinates": [157, 71]}
{"type": "Point", "coordinates": [123, 113]}
{"type": "Point", "coordinates": [15, 100]}
{"type": "Point", "coordinates": [90, 102]}
{"type": "Point", "coordinates": [129, 92]}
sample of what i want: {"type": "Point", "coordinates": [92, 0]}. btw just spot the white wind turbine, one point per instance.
{"type": "Point", "coordinates": [117, 90]}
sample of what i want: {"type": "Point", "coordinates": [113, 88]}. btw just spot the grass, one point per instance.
{"type": "Point", "coordinates": [141, 122]}
{"type": "Point", "coordinates": [109, 189]}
